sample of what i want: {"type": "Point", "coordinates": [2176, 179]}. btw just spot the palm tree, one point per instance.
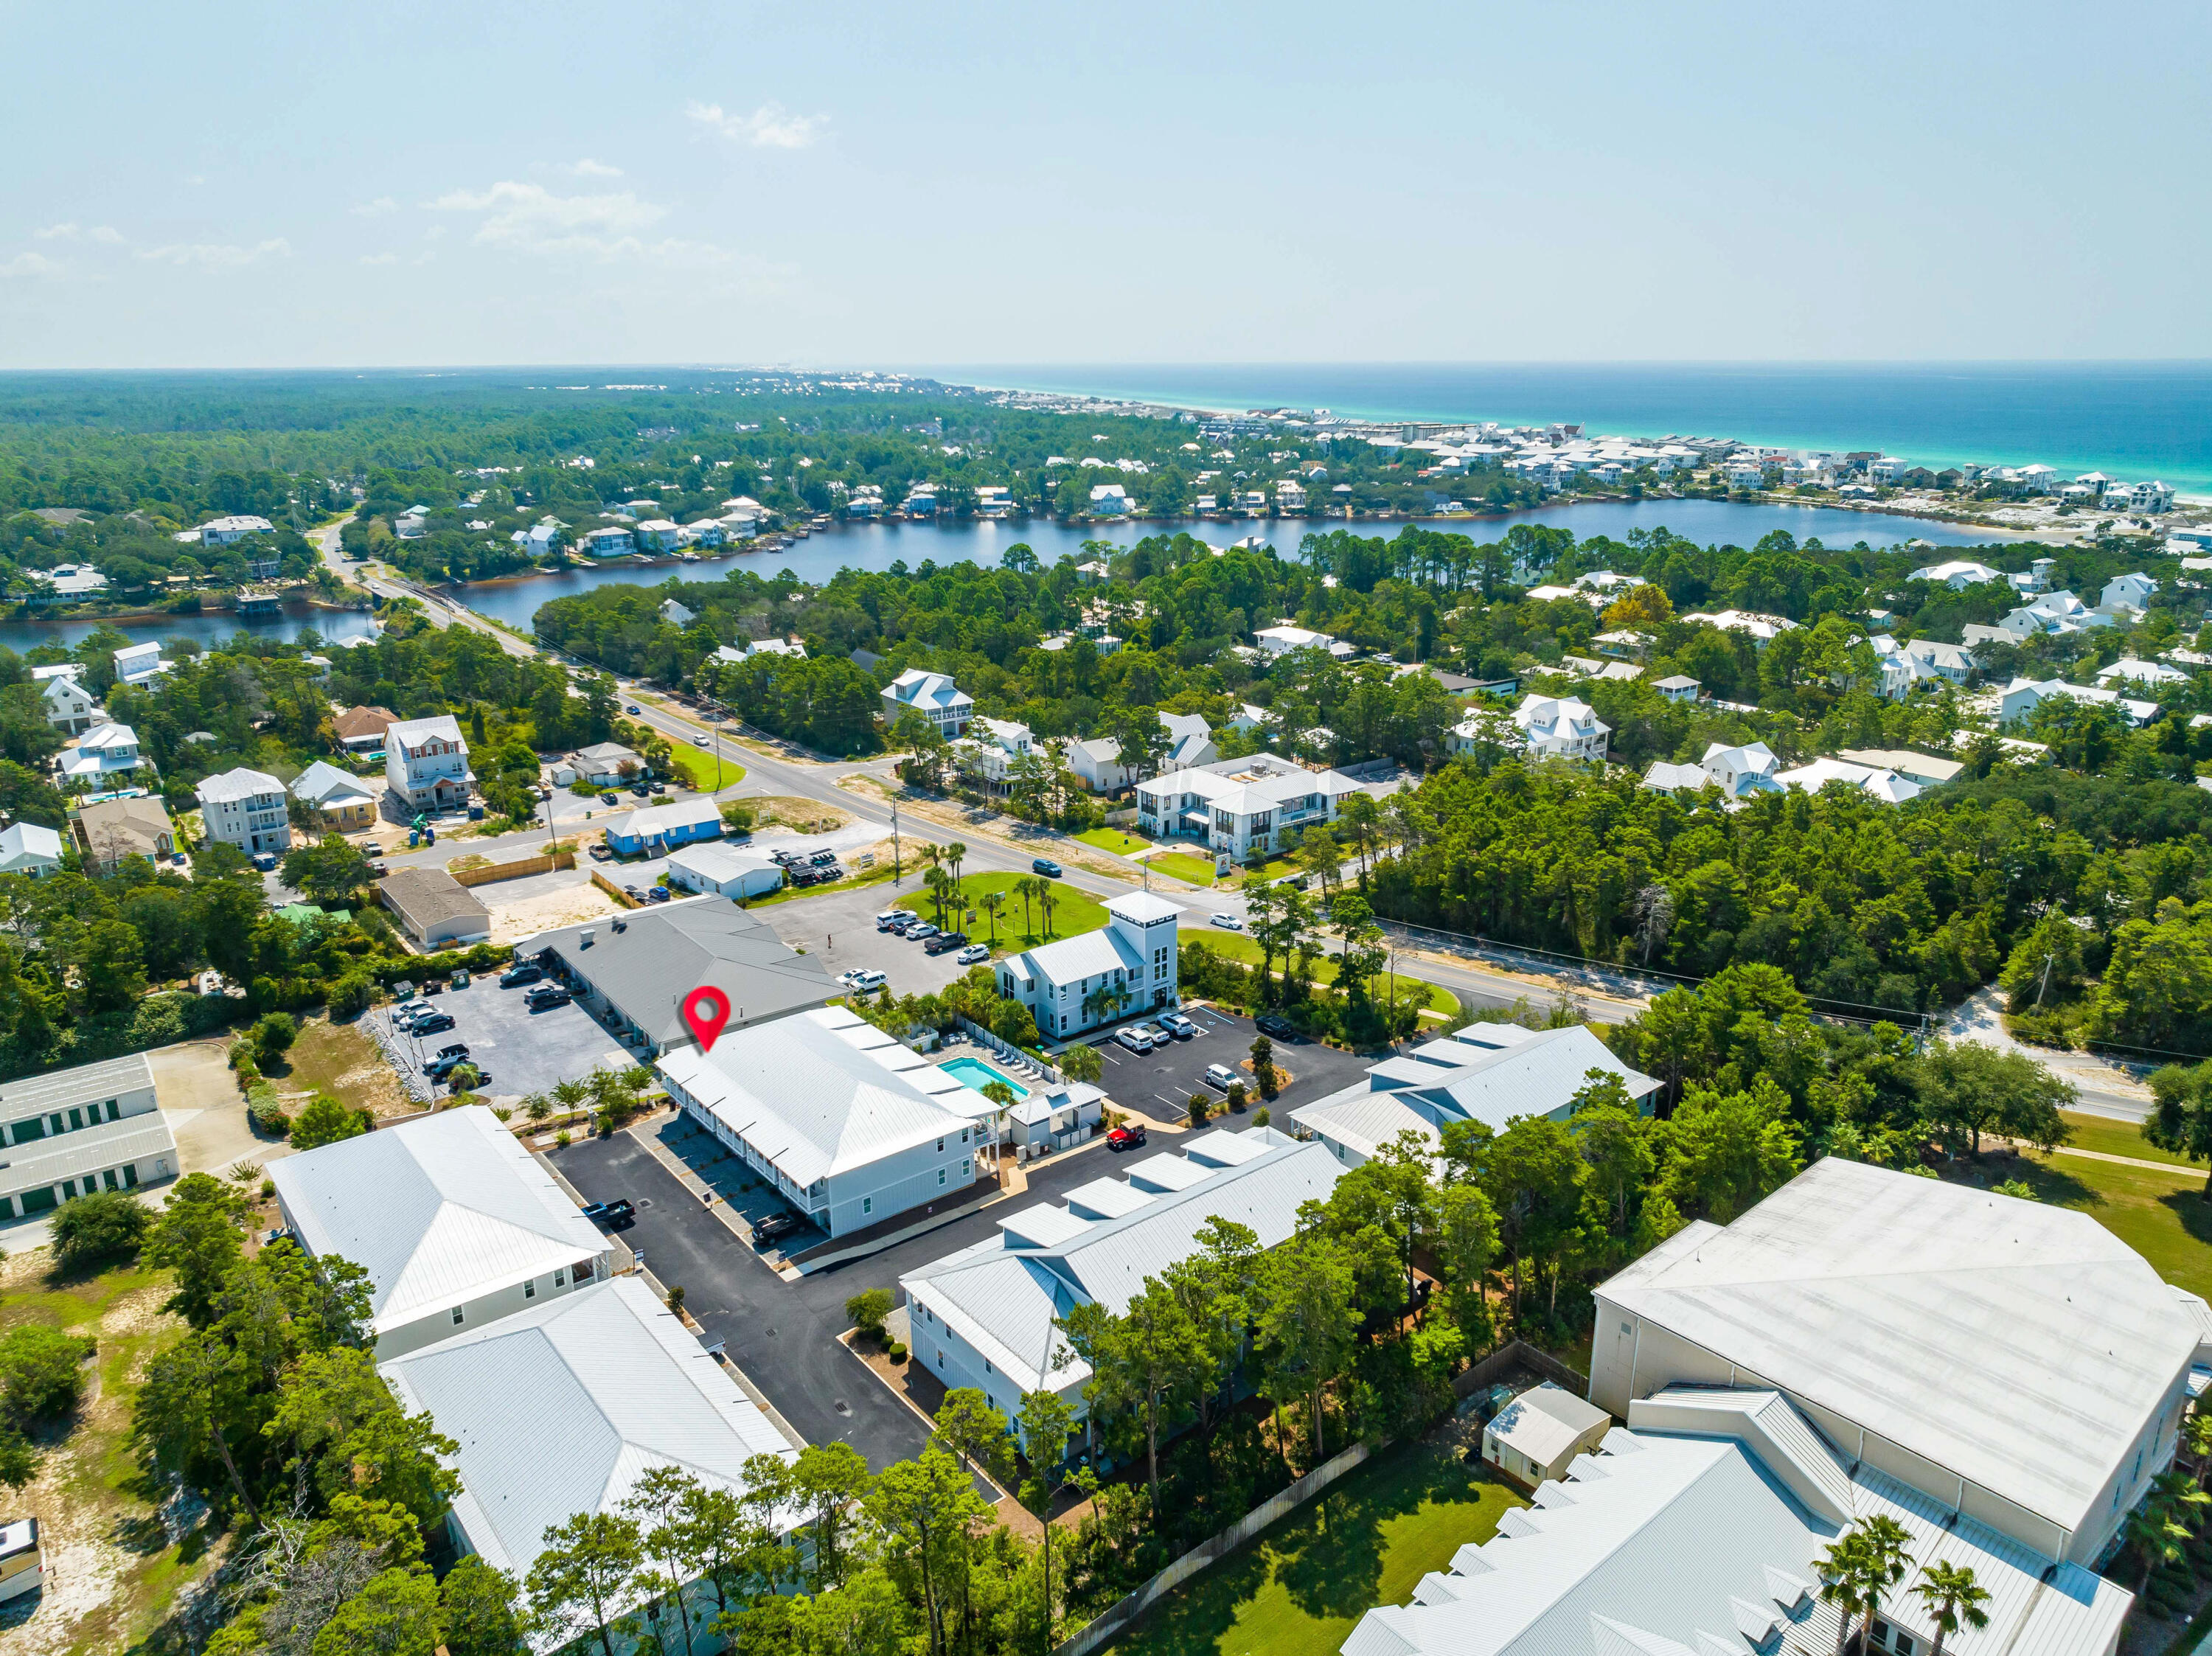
{"type": "Point", "coordinates": [991, 903]}
{"type": "Point", "coordinates": [2160, 1528]}
{"type": "Point", "coordinates": [1887, 1562]}
{"type": "Point", "coordinates": [937, 881]}
{"type": "Point", "coordinates": [1843, 1569]}
{"type": "Point", "coordinates": [1952, 1598]}
{"type": "Point", "coordinates": [1027, 887]}
{"type": "Point", "coordinates": [953, 853]}
{"type": "Point", "coordinates": [1045, 903]}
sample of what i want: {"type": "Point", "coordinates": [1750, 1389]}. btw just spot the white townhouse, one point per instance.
{"type": "Point", "coordinates": [1109, 500]}
{"type": "Point", "coordinates": [246, 808]}
{"type": "Point", "coordinates": [2050, 1368]}
{"type": "Point", "coordinates": [2024, 695]}
{"type": "Point", "coordinates": [140, 663]}
{"type": "Point", "coordinates": [1739, 772]}
{"type": "Point", "coordinates": [988, 752]}
{"type": "Point", "coordinates": [2131, 592]}
{"type": "Point", "coordinates": [72, 1131]}
{"type": "Point", "coordinates": [1127, 966]}
{"type": "Point", "coordinates": [1877, 781]}
{"type": "Point", "coordinates": [848, 1123]}
{"type": "Point", "coordinates": [2051, 614]}
{"type": "Point", "coordinates": [705, 531]}
{"type": "Point", "coordinates": [426, 765]}
{"type": "Point", "coordinates": [68, 704]}
{"type": "Point", "coordinates": [1561, 727]}
{"type": "Point", "coordinates": [1958, 574]}
{"type": "Point", "coordinates": [29, 849]}
{"type": "Point", "coordinates": [1280, 640]}
{"type": "Point", "coordinates": [222, 531]}
{"type": "Point", "coordinates": [989, 1316]}
{"type": "Point", "coordinates": [1097, 760]}
{"type": "Point", "coordinates": [103, 752]}
{"type": "Point", "coordinates": [1240, 808]}
{"type": "Point", "coordinates": [456, 1223]}
{"type": "Point", "coordinates": [676, 615]}
{"type": "Point", "coordinates": [564, 1408]}
{"type": "Point", "coordinates": [934, 696]}
{"type": "Point", "coordinates": [658, 535]}
{"type": "Point", "coordinates": [1485, 1072]}
{"type": "Point", "coordinates": [1762, 630]}
{"type": "Point", "coordinates": [2135, 671]}
{"type": "Point", "coordinates": [611, 541]}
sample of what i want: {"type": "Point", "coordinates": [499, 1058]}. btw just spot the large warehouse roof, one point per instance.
{"type": "Point", "coordinates": [562, 1408]}
{"type": "Point", "coordinates": [437, 1211]}
{"type": "Point", "coordinates": [2019, 1345]}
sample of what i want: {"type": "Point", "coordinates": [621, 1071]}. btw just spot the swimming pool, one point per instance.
{"type": "Point", "coordinates": [974, 1072]}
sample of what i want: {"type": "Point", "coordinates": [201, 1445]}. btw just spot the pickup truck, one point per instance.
{"type": "Point", "coordinates": [618, 1212]}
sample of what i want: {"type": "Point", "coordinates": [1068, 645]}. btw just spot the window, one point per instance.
{"type": "Point", "coordinates": [940, 1147]}
{"type": "Point", "coordinates": [457, 1316]}
{"type": "Point", "coordinates": [964, 1174]}
{"type": "Point", "coordinates": [560, 1276]}
{"type": "Point", "coordinates": [868, 1205]}
{"type": "Point", "coordinates": [530, 1289]}
{"type": "Point", "coordinates": [940, 1176]}
{"type": "Point", "coordinates": [582, 1271]}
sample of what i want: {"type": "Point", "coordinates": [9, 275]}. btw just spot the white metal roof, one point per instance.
{"type": "Point", "coordinates": [1003, 1297]}
{"type": "Point", "coordinates": [438, 1210]}
{"type": "Point", "coordinates": [87, 1084]}
{"type": "Point", "coordinates": [1087, 955]}
{"type": "Point", "coordinates": [562, 1408]}
{"type": "Point", "coordinates": [1677, 1540]}
{"type": "Point", "coordinates": [237, 785]}
{"type": "Point", "coordinates": [823, 1092]}
{"type": "Point", "coordinates": [1544, 1421]}
{"type": "Point", "coordinates": [2019, 1345]}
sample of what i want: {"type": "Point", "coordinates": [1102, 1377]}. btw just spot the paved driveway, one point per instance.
{"type": "Point", "coordinates": [526, 1052]}
{"type": "Point", "coordinates": [839, 928]}
{"type": "Point", "coordinates": [1160, 1083]}
{"type": "Point", "coordinates": [784, 1335]}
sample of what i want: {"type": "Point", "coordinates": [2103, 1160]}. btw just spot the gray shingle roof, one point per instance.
{"type": "Point", "coordinates": [661, 955]}
{"type": "Point", "coordinates": [429, 896]}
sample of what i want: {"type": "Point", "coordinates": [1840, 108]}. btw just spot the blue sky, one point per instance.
{"type": "Point", "coordinates": [236, 186]}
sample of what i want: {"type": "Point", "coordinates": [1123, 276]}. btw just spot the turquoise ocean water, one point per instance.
{"type": "Point", "coordinates": [2132, 420]}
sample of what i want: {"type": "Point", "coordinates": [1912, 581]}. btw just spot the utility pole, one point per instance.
{"type": "Point", "coordinates": [895, 845]}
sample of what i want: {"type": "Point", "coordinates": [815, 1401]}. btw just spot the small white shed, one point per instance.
{"type": "Point", "coordinates": [1536, 1435]}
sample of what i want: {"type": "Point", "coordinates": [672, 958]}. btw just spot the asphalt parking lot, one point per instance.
{"type": "Point", "coordinates": [526, 1052]}
{"type": "Point", "coordinates": [784, 1335]}
{"type": "Point", "coordinates": [1160, 1083]}
{"type": "Point", "coordinates": [839, 929]}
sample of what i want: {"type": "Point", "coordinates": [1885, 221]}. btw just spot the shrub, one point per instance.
{"type": "Point", "coordinates": [41, 1371]}
{"type": "Point", "coordinates": [266, 1110]}
{"type": "Point", "coordinates": [326, 1121]}
{"type": "Point", "coordinates": [1259, 1116]}
{"type": "Point", "coordinates": [351, 994]}
{"type": "Point", "coordinates": [108, 1224]}
{"type": "Point", "coordinates": [676, 1298]}
{"type": "Point", "coordinates": [1237, 1095]}
{"type": "Point", "coordinates": [896, 1352]}
{"type": "Point", "coordinates": [1201, 1108]}
{"type": "Point", "coordinates": [561, 1139]}
{"type": "Point", "coordinates": [272, 1035]}
{"type": "Point", "coordinates": [868, 1308]}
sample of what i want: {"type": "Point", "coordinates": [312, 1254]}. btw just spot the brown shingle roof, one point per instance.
{"type": "Point", "coordinates": [116, 828]}
{"type": "Point", "coordinates": [363, 721]}
{"type": "Point", "coordinates": [426, 897]}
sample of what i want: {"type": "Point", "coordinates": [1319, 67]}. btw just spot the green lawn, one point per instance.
{"type": "Point", "coordinates": [1235, 946]}
{"type": "Point", "coordinates": [1194, 870]}
{"type": "Point", "coordinates": [1072, 911]}
{"type": "Point", "coordinates": [2160, 1214]}
{"type": "Point", "coordinates": [1299, 1588]}
{"type": "Point", "coordinates": [1274, 869]}
{"type": "Point", "coordinates": [2109, 1138]}
{"type": "Point", "coordinates": [1113, 839]}
{"type": "Point", "coordinates": [696, 767]}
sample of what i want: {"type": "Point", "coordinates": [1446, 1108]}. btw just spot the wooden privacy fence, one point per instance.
{"type": "Point", "coordinates": [492, 872]}
{"type": "Point", "coordinates": [1518, 1354]}
{"type": "Point", "coordinates": [1118, 1617]}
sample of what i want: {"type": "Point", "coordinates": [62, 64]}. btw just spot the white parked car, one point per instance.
{"type": "Point", "coordinates": [862, 980]}
{"type": "Point", "coordinates": [1228, 922]}
{"type": "Point", "coordinates": [1133, 1039]}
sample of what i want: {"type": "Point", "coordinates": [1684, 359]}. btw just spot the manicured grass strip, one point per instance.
{"type": "Point", "coordinates": [1113, 839]}
{"type": "Point", "coordinates": [1072, 911]}
{"type": "Point", "coordinates": [2109, 1138]}
{"type": "Point", "coordinates": [697, 767]}
{"type": "Point", "coordinates": [2160, 1216]}
{"type": "Point", "coordinates": [1235, 946]}
{"type": "Point", "coordinates": [866, 876]}
{"type": "Point", "coordinates": [1297, 1588]}
{"type": "Point", "coordinates": [1193, 870]}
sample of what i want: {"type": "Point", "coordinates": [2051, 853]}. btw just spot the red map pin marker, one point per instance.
{"type": "Point", "coordinates": [707, 1009]}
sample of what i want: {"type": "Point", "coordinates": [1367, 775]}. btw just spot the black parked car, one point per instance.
{"type": "Point", "coordinates": [942, 941]}
{"type": "Point", "coordinates": [618, 1212]}
{"type": "Point", "coordinates": [1277, 1027]}
{"type": "Point", "coordinates": [515, 976]}
{"type": "Point", "coordinates": [822, 858]}
{"type": "Point", "coordinates": [543, 998]}
{"type": "Point", "coordinates": [1047, 867]}
{"type": "Point", "coordinates": [431, 1023]}
{"type": "Point", "coordinates": [777, 1226]}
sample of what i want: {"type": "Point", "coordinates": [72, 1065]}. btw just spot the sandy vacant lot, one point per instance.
{"type": "Point", "coordinates": [570, 905]}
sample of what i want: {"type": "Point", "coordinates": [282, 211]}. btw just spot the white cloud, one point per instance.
{"type": "Point", "coordinates": [30, 265]}
{"type": "Point", "coordinates": [588, 168]}
{"type": "Point", "coordinates": [106, 235]}
{"type": "Point", "coordinates": [217, 256]}
{"type": "Point", "coordinates": [379, 259]}
{"type": "Point", "coordinates": [370, 209]}
{"type": "Point", "coordinates": [769, 127]}
{"type": "Point", "coordinates": [530, 218]}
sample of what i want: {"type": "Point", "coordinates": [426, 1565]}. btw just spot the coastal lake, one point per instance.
{"type": "Point", "coordinates": [207, 629]}
{"type": "Point", "coordinates": [878, 546]}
